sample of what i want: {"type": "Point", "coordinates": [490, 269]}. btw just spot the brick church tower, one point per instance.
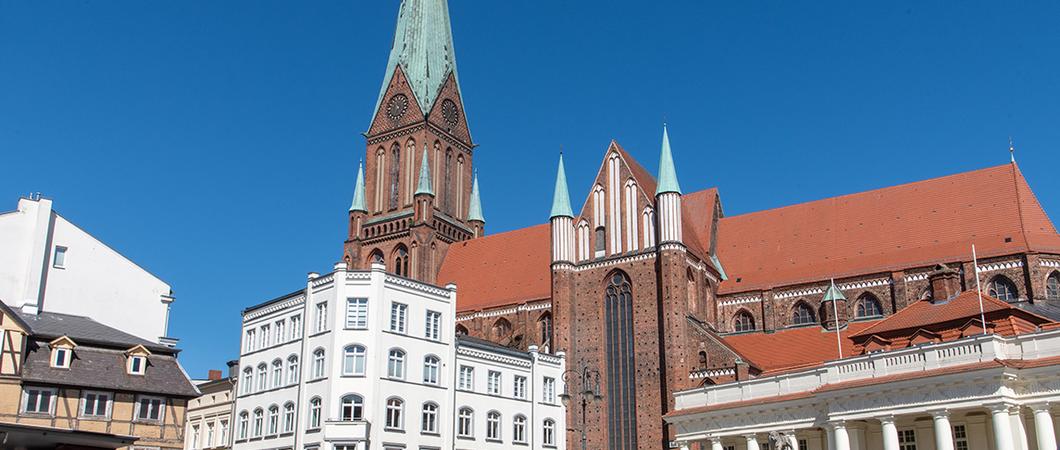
{"type": "Point", "coordinates": [416, 193]}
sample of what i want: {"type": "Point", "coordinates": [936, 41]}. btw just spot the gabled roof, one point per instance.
{"type": "Point", "coordinates": [924, 313]}
{"type": "Point", "coordinates": [500, 269]}
{"type": "Point", "coordinates": [85, 331]}
{"type": "Point", "coordinates": [909, 225]}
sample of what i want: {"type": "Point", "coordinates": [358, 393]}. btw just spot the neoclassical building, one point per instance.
{"type": "Point", "coordinates": [656, 287]}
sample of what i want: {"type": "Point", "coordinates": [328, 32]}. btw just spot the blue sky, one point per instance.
{"type": "Point", "coordinates": [216, 143]}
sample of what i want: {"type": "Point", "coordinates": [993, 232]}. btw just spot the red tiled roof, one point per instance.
{"type": "Point", "coordinates": [909, 225]}
{"type": "Point", "coordinates": [500, 269]}
{"type": "Point", "coordinates": [924, 313]}
{"type": "Point", "coordinates": [697, 213]}
{"type": "Point", "coordinates": [802, 347]}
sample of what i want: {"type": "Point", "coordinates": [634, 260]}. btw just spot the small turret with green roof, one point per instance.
{"type": "Point", "coordinates": [561, 198]}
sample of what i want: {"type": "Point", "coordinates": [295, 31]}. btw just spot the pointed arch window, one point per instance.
{"type": "Point", "coordinates": [380, 176]}
{"type": "Point", "coordinates": [458, 191]}
{"type": "Point", "coordinates": [1052, 286]}
{"type": "Point", "coordinates": [447, 190]}
{"type": "Point", "coordinates": [401, 261]}
{"type": "Point", "coordinates": [1004, 289]}
{"type": "Point", "coordinates": [619, 361]}
{"type": "Point", "coordinates": [461, 330]}
{"type": "Point", "coordinates": [395, 175]}
{"type": "Point", "coordinates": [868, 306]}
{"type": "Point", "coordinates": [693, 304]}
{"type": "Point", "coordinates": [802, 314]}
{"type": "Point", "coordinates": [583, 240]}
{"type": "Point", "coordinates": [410, 172]}
{"type": "Point", "coordinates": [501, 329]}
{"type": "Point", "coordinates": [544, 329]}
{"type": "Point", "coordinates": [743, 321]}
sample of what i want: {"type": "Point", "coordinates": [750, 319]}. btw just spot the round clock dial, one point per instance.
{"type": "Point", "coordinates": [450, 112]}
{"type": "Point", "coordinates": [397, 106]}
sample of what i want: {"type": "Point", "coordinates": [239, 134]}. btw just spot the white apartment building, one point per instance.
{"type": "Point", "coordinates": [209, 417]}
{"type": "Point", "coordinates": [363, 360]}
{"type": "Point", "coordinates": [50, 264]}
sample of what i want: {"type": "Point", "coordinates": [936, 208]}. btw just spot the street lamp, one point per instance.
{"type": "Point", "coordinates": [590, 391]}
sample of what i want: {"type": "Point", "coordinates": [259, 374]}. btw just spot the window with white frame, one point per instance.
{"type": "Point", "coordinates": [150, 408]}
{"type": "Point", "coordinates": [321, 317]}
{"type": "Point", "coordinates": [224, 432]}
{"type": "Point", "coordinates": [242, 425]}
{"type": "Point", "coordinates": [354, 358]}
{"type": "Point", "coordinates": [434, 325]}
{"type": "Point", "coordinates": [194, 436]}
{"type": "Point", "coordinates": [548, 390]}
{"type": "Point", "coordinates": [429, 421]}
{"type": "Point", "coordinates": [263, 377]}
{"type": "Point", "coordinates": [292, 369]}
{"type": "Point", "coordinates": [493, 426]}
{"type": "Point", "coordinates": [277, 373]}
{"type": "Point", "coordinates": [61, 357]}
{"type": "Point", "coordinates": [249, 340]}
{"type": "Point", "coordinates": [466, 381]}
{"type": "Point", "coordinates": [265, 336]}
{"type": "Point", "coordinates": [318, 363]}
{"type": "Point", "coordinates": [465, 420]}
{"type": "Point", "coordinates": [398, 314]}
{"type": "Point", "coordinates": [288, 417]}
{"type": "Point", "coordinates": [281, 331]}
{"type": "Point", "coordinates": [431, 367]}
{"type": "Point", "coordinates": [37, 400]}
{"type": "Point", "coordinates": [95, 404]}
{"type": "Point", "coordinates": [357, 313]}
{"type": "Point", "coordinates": [296, 327]}
{"type": "Point", "coordinates": [137, 364]}
{"type": "Point", "coordinates": [314, 413]}
{"type": "Point", "coordinates": [960, 437]}
{"type": "Point", "coordinates": [396, 364]}
{"type": "Point", "coordinates": [209, 436]}
{"type": "Point", "coordinates": [351, 408]}
{"type": "Point", "coordinates": [493, 383]}
{"type": "Point", "coordinates": [257, 427]}
{"type": "Point", "coordinates": [248, 380]}
{"type": "Point", "coordinates": [59, 261]}
{"type": "Point", "coordinates": [907, 439]}
{"type": "Point", "coordinates": [548, 432]}
{"type": "Point", "coordinates": [395, 414]}
{"type": "Point", "coordinates": [519, 429]}
{"type": "Point", "coordinates": [274, 420]}
{"type": "Point", "coordinates": [519, 388]}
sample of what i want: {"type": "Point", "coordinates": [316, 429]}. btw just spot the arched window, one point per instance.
{"type": "Point", "coordinates": [702, 360]}
{"type": "Point", "coordinates": [447, 189]}
{"type": "Point", "coordinates": [459, 188]}
{"type": "Point", "coordinates": [548, 432]}
{"type": "Point", "coordinates": [380, 176]}
{"type": "Point", "coordinates": [410, 170]}
{"type": "Point", "coordinates": [743, 321]}
{"type": "Point", "coordinates": [801, 314]}
{"type": "Point", "coordinates": [396, 364]}
{"type": "Point", "coordinates": [925, 294]}
{"type": "Point", "coordinates": [619, 361]}
{"type": "Point", "coordinates": [351, 408]}
{"type": "Point", "coordinates": [376, 257]}
{"type": "Point", "coordinates": [288, 417]}
{"type": "Point", "coordinates": [314, 413]}
{"type": "Point", "coordinates": [461, 330]}
{"type": "Point", "coordinates": [429, 423]}
{"type": "Point", "coordinates": [395, 175]}
{"type": "Point", "coordinates": [259, 417]}
{"type": "Point", "coordinates": [401, 261]}
{"type": "Point", "coordinates": [598, 241]}
{"type": "Point", "coordinates": [353, 360]}
{"type": "Point", "coordinates": [431, 367]}
{"type": "Point", "coordinates": [292, 369]}
{"type": "Point", "coordinates": [248, 380]}
{"type": "Point", "coordinates": [263, 377]}
{"type": "Point", "coordinates": [274, 419]}
{"type": "Point", "coordinates": [318, 363]}
{"type": "Point", "coordinates": [868, 306]}
{"type": "Point", "coordinates": [1052, 286]}
{"type": "Point", "coordinates": [501, 329]}
{"type": "Point", "coordinates": [465, 421]}
{"type": "Point", "coordinates": [493, 425]}
{"type": "Point", "coordinates": [243, 425]}
{"type": "Point", "coordinates": [544, 329]}
{"type": "Point", "coordinates": [692, 303]}
{"type": "Point", "coordinates": [1002, 288]}
{"type": "Point", "coordinates": [277, 373]}
{"type": "Point", "coordinates": [395, 414]}
{"type": "Point", "coordinates": [519, 429]}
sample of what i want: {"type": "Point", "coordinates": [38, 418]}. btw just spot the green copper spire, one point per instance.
{"type": "Point", "coordinates": [358, 192]}
{"type": "Point", "coordinates": [424, 186]}
{"type": "Point", "coordinates": [833, 293]}
{"type": "Point", "coordinates": [561, 199]}
{"type": "Point", "coordinates": [423, 47]}
{"type": "Point", "coordinates": [475, 211]}
{"type": "Point", "coordinates": [667, 174]}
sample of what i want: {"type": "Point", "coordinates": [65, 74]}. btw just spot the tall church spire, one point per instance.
{"type": "Point", "coordinates": [561, 198]}
{"type": "Point", "coordinates": [423, 47]}
{"type": "Point", "coordinates": [667, 174]}
{"type": "Point", "coordinates": [358, 192]}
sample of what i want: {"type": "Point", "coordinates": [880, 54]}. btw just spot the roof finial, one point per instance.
{"type": "Point", "coordinates": [667, 181]}
{"type": "Point", "coordinates": [358, 191]}
{"type": "Point", "coordinates": [1011, 150]}
{"type": "Point", "coordinates": [475, 210]}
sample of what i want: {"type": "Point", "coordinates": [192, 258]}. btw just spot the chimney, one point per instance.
{"type": "Point", "coordinates": [743, 371]}
{"type": "Point", "coordinates": [214, 375]}
{"type": "Point", "coordinates": [945, 283]}
{"type": "Point", "coordinates": [233, 369]}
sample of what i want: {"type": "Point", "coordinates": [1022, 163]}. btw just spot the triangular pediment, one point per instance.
{"type": "Point", "coordinates": [448, 114]}
{"type": "Point", "coordinates": [138, 350]}
{"type": "Point", "coordinates": [398, 106]}
{"type": "Point", "coordinates": [62, 342]}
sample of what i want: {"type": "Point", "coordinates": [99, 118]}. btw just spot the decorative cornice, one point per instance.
{"type": "Point", "coordinates": [531, 306]}
{"type": "Point", "coordinates": [294, 301]}
{"type": "Point", "coordinates": [711, 373]}
{"type": "Point", "coordinates": [1049, 263]}
{"type": "Point", "coordinates": [741, 300]}
{"type": "Point", "coordinates": [417, 286]}
{"type": "Point", "coordinates": [614, 261]}
{"type": "Point", "coordinates": [321, 281]}
{"type": "Point", "coordinates": [489, 356]}
{"type": "Point", "coordinates": [1000, 265]}
{"type": "Point", "coordinates": [863, 284]}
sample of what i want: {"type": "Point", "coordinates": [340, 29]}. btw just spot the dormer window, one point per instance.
{"type": "Point", "coordinates": [136, 360]}
{"type": "Point", "coordinates": [62, 352]}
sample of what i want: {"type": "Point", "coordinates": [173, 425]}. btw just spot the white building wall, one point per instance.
{"type": "Point", "coordinates": [212, 410]}
{"type": "Point", "coordinates": [94, 279]}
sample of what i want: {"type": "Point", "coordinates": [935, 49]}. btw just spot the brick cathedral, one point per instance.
{"type": "Point", "coordinates": [655, 287]}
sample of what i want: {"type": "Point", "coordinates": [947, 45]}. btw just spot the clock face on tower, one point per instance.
{"type": "Point", "coordinates": [450, 112]}
{"type": "Point", "coordinates": [397, 106]}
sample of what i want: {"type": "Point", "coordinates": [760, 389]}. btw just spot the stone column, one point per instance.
{"type": "Point", "coordinates": [943, 432]}
{"type": "Point", "coordinates": [752, 441]}
{"type": "Point", "coordinates": [1002, 426]}
{"type": "Point", "coordinates": [890, 433]}
{"type": "Point", "coordinates": [1019, 431]}
{"type": "Point", "coordinates": [840, 437]}
{"type": "Point", "coordinates": [715, 444]}
{"type": "Point", "coordinates": [829, 438]}
{"type": "Point", "coordinates": [1043, 426]}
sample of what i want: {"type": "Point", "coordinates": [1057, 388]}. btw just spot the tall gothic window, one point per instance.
{"type": "Point", "coordinates": [621, 396]}
{"type": "Point", "coordinates": [395, 175]}
{"type": "Point", "coordinates": [802, 314]}
{"type": "Point", "coordinates": [458, 191]}
{"type": "Point", "coordinates": [1052, 286]}
{"type": "Point", "coordinates": [544, 329]}
{"type": "Point", "coordinates": [401, 261]}
{"type": "Point", "coordinates": [743, 321]}
{"type": "Point", "coordinates": [447, 191]}
{"type": "Point", "coordinates": [376, 257]}
{"type": "Point", "coordinates": [1002, 288]}
{"type": "Point", "coordinates": [380, 175]}
{"type": "Point", "coordinates": [868, 306]}
{"type": "Point", "coordinates": [692, 304]}
{"type": "Point", "coordinates": [410, 170]}
{"type": "Point", "coordinates": [501, 329]}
